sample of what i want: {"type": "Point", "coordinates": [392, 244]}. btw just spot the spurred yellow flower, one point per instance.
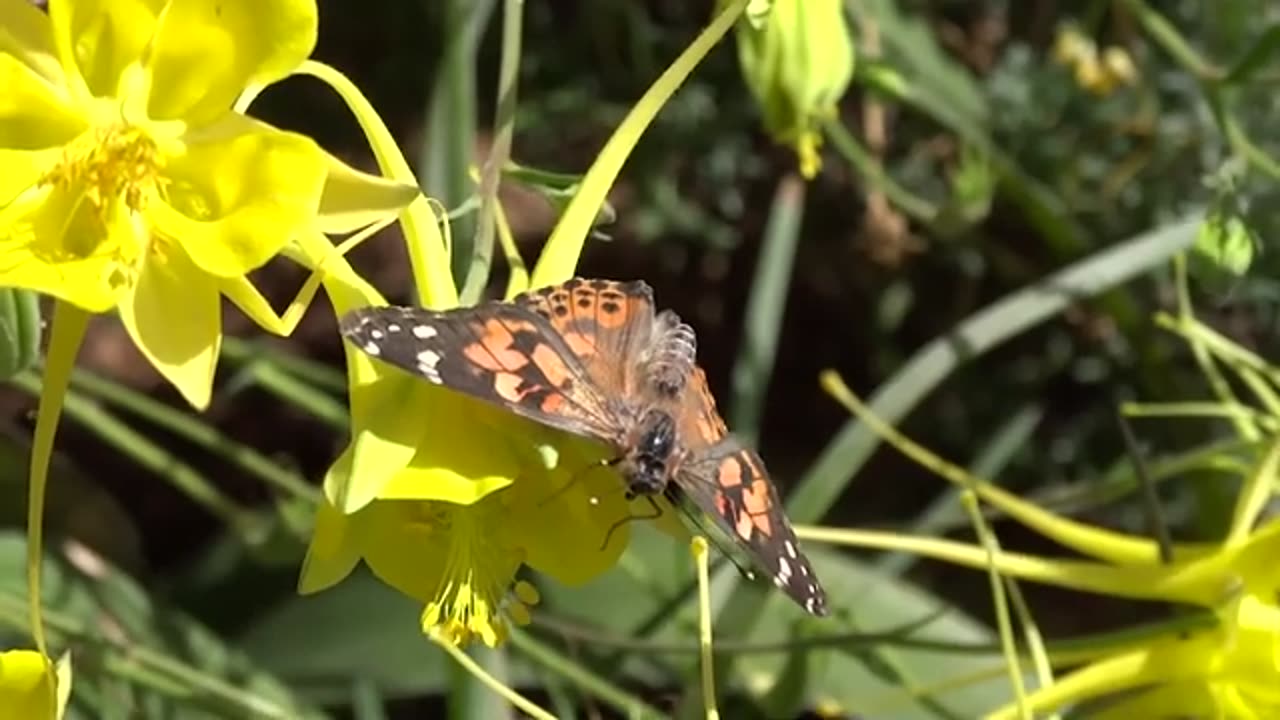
{"type": "Point", "coordinates": [442, 496]}
{"type": "Point", "coordinates": [446, 498]}
{"type": "Point", "coordinates": [129, 180]}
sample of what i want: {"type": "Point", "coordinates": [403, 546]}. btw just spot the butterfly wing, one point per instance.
{"type": "Point", "coordinates": [606, 323]}
{"type": "Point", "coordinates": [728, 483]}
{"type": "Point", "coordinates": [501, 353]}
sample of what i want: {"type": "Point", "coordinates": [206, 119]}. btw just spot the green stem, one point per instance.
{"type": "Point", "coordinates": [127, 658]}
{"type": "Point", "coordinates": [875, 175]}
{"type": "Point", "coordinates": [504, 123]}
{"type": "Point", "coordinates": [197, 432]}
{"type": "Point", "coordinates": [545, 656]}
{"type": "Point", "coordinates": [147, 453]}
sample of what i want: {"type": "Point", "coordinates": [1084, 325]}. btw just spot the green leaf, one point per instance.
{"type": "Point", "coordinates": [19, 331]}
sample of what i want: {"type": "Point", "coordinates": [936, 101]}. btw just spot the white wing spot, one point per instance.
{"type": "Point", "coordinates": [393, 327]}
{"type": "Point", "coordinates": [791, 549]}
{"type": "Point", "coordinates": [376, 334]}
{"type": "Point", "coordinates": [427, 361]}
{"type": "Point", "coordinates": [784, 572]}
{"type": "Point", "coordinates": [372, 348]}
{"type": "Point", "coordinates": [424, 332]}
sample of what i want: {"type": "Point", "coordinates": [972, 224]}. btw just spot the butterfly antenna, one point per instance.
{"type": "Point", "coordinates": [573, 479]}
{"type": "Point", "coordinates": [657, 513]}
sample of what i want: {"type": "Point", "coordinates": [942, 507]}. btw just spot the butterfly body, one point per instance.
{"type": "Point", "coordinates": [593, 358]}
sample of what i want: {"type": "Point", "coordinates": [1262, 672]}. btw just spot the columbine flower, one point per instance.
{"type": "Point", "coordinates": [797, 59]}
{"type": "Point", "coordinates": [32, 687]}
{"type": "Point", "coordinates": [446, 498]}
{"type": "Point", "coordinates": [443, 496]}
{"type": "Point", "coordinates": [129, 181]}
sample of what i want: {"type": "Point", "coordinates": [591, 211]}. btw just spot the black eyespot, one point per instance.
{"type": "Point", "coordinates": [584, 302]}
{"type": "Point", "coordinates": [610, 308]}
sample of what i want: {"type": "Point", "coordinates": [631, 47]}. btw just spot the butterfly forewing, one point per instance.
{"type": "Point", "coordinates": [497, 352]}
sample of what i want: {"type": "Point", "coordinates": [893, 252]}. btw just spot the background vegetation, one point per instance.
{"type": "Point", "coordinates": [968, 161]}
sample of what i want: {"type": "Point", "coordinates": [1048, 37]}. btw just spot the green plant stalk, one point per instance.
{"type": "Point", "coordinates": [1168, 38]}
{"type": "Point", "coordinates": [322, 375]}
{"type": "Point", "coordinates": [471, 693]}
{"type": "Point", "coordinates": [1004, 626]}
{"type": "Point", "coordinates": [545, 656]}
{"type": "Point", "coordinates": [875, 175]}
{"type": "Point", "coordinates": [302, 395]}
{"type": "Point", "coordinates": [145, 665]}
{"type": "Point", "coordinates": [762, 322]}
{"type": "Point", "coordinates": [148, 454]}
{"type": "Point", "coordinates": [68, 328]}
{"type": "Point", "coordinates": [1066, 651]}
{"type": "Point", "coordinates": [451, 112]}
{"type": "Point", "coordinates": [992, 458]}
{"type": "Point", "coordinates": [198, 433]}
{"type": "Point", "coordinates": [504, 122]}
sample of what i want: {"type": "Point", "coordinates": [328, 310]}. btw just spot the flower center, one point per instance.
{"type": "Point", "coordinates": [479, 567]}
{"type": "Point", "coordinates": [109, 163]}
{"type": "Point", "coordinates": [104, 167]}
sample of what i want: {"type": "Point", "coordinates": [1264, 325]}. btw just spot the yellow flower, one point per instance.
{"type": "Point", "coordinates": [129, 180]}
{"type": "Point", "coordinates": [446, 498]}
{"type": "Point", "coordinates": [797, 59]}
{"type": "Point", "coordinates": [32, 687]}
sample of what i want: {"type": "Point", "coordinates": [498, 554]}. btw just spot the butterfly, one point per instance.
{"type": "Point", "coordinates": [594, 358]}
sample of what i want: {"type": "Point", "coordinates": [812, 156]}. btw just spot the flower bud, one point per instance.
{"type": "Point", "coordinates": [797, 59]}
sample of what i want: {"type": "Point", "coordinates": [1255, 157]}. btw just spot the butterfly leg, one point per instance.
{"type": "Point", "coordinates": [657, 513]}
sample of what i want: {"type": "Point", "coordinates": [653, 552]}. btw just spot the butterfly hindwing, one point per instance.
{"type": "Point", "coordinates": [608, 324]}
{"type": "Point", "coordinates": [728, 483]}
{"type": "Point", "coordinates": [497, 352]}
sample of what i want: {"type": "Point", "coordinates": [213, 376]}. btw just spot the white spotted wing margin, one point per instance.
{"type": "Point", "coordinates": [484, 351]}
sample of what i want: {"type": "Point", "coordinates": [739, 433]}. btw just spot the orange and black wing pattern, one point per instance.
{"type": "Point", "coordinates": [728, 482]}
{"type": "Point", "coordinates": [608, 324]}
{"type": "Point", "coordinates": [502, 353]}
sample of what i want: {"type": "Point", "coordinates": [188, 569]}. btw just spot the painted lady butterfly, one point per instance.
{"type": "Point", "coordinates": [592, 357]}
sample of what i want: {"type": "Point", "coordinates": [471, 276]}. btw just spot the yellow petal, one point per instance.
{"type": "Point", "coordinates": [566, 516]}
{"type": "Point", "coordinates": [239, 192]}
{"type": "Point", "coordinates": [33, 113]}
{"type": "Point", "coordinates": [26, 686]}
{"type": "Point", "coordinates": [174, 317]}
{"type": "Point", "coordinates": [25, 33]}
{"type": "Point", "coordinates": [53, 243]}
{"type": "Point", "coordinates": [385, 432]}
{"type": "Point", "coordinates": [460, 458]}
{"type": "Point", "coordinates": [97, 39]}
{"type": "Point", "coordinates": [404, 553]}
{"type": "Point", "coordinates": [207, 51]}
{"type": "Point", "coordinates": [332, 553]}
{"type": "Point", "coordinates": [353, 200]}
